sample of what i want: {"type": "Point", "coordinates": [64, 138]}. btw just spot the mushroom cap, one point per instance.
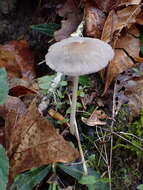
{"type": "Point", "coordinates": [79, 56]}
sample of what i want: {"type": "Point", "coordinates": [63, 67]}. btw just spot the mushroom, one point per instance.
{"type": "Point", "coordinates": [77, 56]}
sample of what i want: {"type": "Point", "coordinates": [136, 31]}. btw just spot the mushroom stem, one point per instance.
{"type": "Point", "coordinates": [73, 106]}
{"type": "Point", "coordinates": [73, 123]}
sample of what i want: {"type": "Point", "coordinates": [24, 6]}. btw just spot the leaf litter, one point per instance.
{"type": "Point", "coordinates": [30, 139]}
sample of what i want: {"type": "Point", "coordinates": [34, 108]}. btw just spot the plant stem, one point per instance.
{"type": "Point", "coordinates": [73, 106]}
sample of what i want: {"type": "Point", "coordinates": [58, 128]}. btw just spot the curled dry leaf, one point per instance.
{"type": "Point", "coordinates": [17, 59]}
{"type": "Point", "coordinates": [121, 62]}
{"type": "Point", "coordinates": [72, 18]}
{"type": "Point", "coordinates": [95, 117]}
{"type": "Point", "coordinates": [118, 20]}
{"type": "Point", "coordinates": [35, 142]}
{"type": "Point", "coordinates": [94, 20]}
{"type": "Point", "coordinates": [56, 115]}
{"type": "Point", "coordinates": [129, 89]}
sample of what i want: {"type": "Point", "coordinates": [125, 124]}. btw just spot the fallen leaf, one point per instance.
{"type": "Point", "coordinates": [106, 5]}
{"type": "Point", "coordinates": [95, 117]}
{"type": "Point", "coordinates": [121, 62]}
{"type": "Point", "coordinates": [35, 142]}
{"type": "Point", "coordinates": [139, 18]}
{"type": "Point", "coordinates": [94, 20]}
{"type": "Point", "coordinates": [72, 19]}
{"type": "Point", "coordinates": [117, 20]}
{"type": "Point", "coordinates": [129, 2]}
{"type": "Point", "coordinates": [131, 45]}
{"type": "Point", "coordinates": [11, 111]}
{"type": "Point", "coordinates": [129, 89]}
{"type": "Point", "coordinates": [57, 116]}
{"type": "Point", "coordinates": [17, 59]}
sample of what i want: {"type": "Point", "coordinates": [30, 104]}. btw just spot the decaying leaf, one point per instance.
{"type": "Point", "coordinates": [72, 18]}
{"type": "Point", "coordinates": [35, 142]}
{"type": "Point", "coordinates": [131, 45]}
{"type": "Point", "coordinates": [95, 117]}
{"type": "Point", "coordinates": [128, 49]}
{"type": "Point", "coordinates": [11, 111]}
{"type": "Point", "coordinates": [129, 89]}
{"type": "Point", "coordinates": [56, 115]}
{"type": "Point", "coordinates": [94, 20]}
{"type": "Point", "coordinates": [17, 59]}
{"type": "Point", "coordinates": [106, 5]}
{"type": "Point", "coordinates": [117, 20]}
{"type": "Point", "coordinates": [120, 63]}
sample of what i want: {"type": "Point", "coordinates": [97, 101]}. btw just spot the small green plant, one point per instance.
{"type": "Point", "coordinates": [134, 133]}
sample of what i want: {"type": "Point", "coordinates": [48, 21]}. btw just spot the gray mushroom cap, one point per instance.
{"type": "Point", "coordinates": [79, 56]}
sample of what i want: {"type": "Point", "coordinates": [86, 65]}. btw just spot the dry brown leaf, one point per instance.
{"type": "Point", "coordinates": [56, 115]}
{"type": "Point", "coordinates": [106, 5]}
{"type": "Point", "coordinates": [129, 2]}
{"type": "Point", "coordinates": [139, 18]}
{"type": "Point", "coordinates": [17, 59]}
{"type": "Point", "coordinates": [120, 63]}
{"type": "Point", "coordinates": [131, 45]}
{"type": "Point", "coordinates": [129, 88]}
{"type": "Point", "coordinates": [72, 18]}
{"type": "Point", "coordinates": [35, 142]}
{"type": "Point", "coordinates": [94, 20]}
{"type": "Point", "coordinates": [11, 111]}
{"type": "Point", "coordinates": [118, 20]}
{"type": "Point", "coordinates": [95, 117]}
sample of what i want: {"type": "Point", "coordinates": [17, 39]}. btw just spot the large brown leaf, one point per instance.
{"type": "Point", "coordinates": [17, 59]}
{"type": "Point", "coordinates": [35, 142]}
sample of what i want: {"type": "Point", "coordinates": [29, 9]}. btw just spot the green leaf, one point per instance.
{"type": "Point", "coordinates": [73, 170]}
{"type": "Point", "coordinates": [88, 180]}
{"type": "Point", "coordinates": [44, 82]}
{"type": "Point", "coordinates": [84, 81]}
{"type": "Point", "coordinates": [4, 168]}
{"type": "Point", "coordinates": [140, 187]}
{"type": "Point", "coordinates": [3, 85]}
{"type": "Point", "coordinates": [31, 178]}
{"type": "Point", "coordinates": [48, 29]}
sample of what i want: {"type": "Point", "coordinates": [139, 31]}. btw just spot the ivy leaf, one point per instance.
{"type": "Point", "coordinates": [30, 179]}
{"type": "Point", "coordinates": [4, 168]}
{"type": "Point", "coordinates": [48, 29]}
{"type": "Point", "coordinates": [3, 85]}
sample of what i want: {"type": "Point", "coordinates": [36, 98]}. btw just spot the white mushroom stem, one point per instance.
{"type": "Point", "coordinates": [73, 123]}
{"type": "Point", "coordinates": [73, 106]}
